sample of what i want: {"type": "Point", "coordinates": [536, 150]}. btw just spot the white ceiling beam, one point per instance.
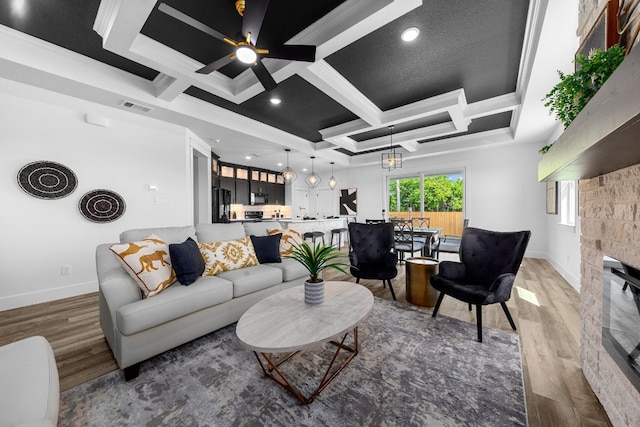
{"type": "Point", "coordinates": [168, 88]}
{"type": "Point", "coordinates": [328, 80]}
{"type": "Point", "coordinates": [491, 106]}
{"type": "Point", "coordinates": [119, 22]}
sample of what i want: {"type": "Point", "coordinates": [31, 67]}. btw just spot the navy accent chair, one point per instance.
{"type": "Point", "coordinates": [371, 252]}
{"type": "Point", "coordinates": [486, 273]}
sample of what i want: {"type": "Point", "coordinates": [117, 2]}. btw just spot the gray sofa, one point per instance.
{"type": "Point", "coordinates": [138, 328]}
{"type": "Point", "coordinates": [29, 385]}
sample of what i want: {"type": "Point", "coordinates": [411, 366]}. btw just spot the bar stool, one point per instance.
{"type": "Point", "coordinates": [339, 232]}
{"type": "Point", "coordinates": [313, 235]}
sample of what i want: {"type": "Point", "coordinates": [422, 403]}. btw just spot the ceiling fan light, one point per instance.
{"type": "Point", "coordinates": [410, 34]}
{"type": "Point", "coordinates": [246, 54]}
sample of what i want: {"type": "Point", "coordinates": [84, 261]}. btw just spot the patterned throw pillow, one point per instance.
{"type": "Point", "coordinates": [289, 238]}
{"type": "Point", "coordinates": [229, 255]}
{"type": "Point", "coordinates": [148, 262]}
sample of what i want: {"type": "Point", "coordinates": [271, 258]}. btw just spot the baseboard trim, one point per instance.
{"type": "Point", "coordinates": [30, 298]}
{"type": "Point", "coordinates": [570, 278]}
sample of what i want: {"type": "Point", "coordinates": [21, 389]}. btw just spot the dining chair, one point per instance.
{"type": "Point", "coordinates": [374, 221]}
{"type": "Point", "coordinates": [405, 241]}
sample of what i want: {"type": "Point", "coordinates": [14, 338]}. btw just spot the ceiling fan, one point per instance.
{"type": "Point", "coordinates": [252, 12]}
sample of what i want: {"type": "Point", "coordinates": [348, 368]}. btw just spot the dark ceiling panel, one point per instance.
{"type": "Point", "coordinates": [304, 108]}
{"type": "Point", "coordinates": [284, 19]}
{"type": "Point", "coordinates": [475, 45]}
{"type": "Point", "coordinates": [482, 124]}
{"type": "Point", "coordinates": [69, 24]}
{"type": "Point", "coordinates": [403, 127]}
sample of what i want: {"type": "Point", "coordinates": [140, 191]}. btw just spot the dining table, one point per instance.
{"type": "Point", "coordinates": [431, 236]}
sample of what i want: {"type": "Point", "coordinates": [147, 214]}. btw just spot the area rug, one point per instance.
{"type": "Point", "coordinates": [412, 370]}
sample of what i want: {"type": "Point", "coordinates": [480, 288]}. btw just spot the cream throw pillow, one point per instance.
{"type": "Point", "coordinates": [288, 240]}
{"type": "Point", "coordinates": [148, 262]}
{"type": "Point", "coordinates": [229, 255]}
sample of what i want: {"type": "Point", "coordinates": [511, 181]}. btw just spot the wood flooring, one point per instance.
{"type": "Point", "coordinates": [545, 308]}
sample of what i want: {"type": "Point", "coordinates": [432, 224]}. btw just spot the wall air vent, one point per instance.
{"type": "Point", "coordinates": [136, 107]}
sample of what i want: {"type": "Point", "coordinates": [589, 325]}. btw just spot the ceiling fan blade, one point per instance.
{"type": "Point", "coordinates": [215, 65]}
{"type": "Point", "coordinates": [253, 16]}
{"type": "Point", "coordinates": [296, 52]}
{"type": "Point", "coordinates": [175, 13]}
{"type": "Point", "coordinates": [264, 76]}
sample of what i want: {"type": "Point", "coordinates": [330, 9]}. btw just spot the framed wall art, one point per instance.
{"type": "Point", "coordinates": [349, 201]}
{"type": "Point", "coordinates": [552, 198]}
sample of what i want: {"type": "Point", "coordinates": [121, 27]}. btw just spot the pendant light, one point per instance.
{"type": "Point", "coordinates": [332, 181]}
{"type": "Point", "coordinates": [288, 174]}
{"type": "Point", "coordinates": [313, 179]}
{"type": "Point", "coordinates": [391, 160]}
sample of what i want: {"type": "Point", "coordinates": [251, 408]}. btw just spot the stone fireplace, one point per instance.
{"type": "Point", "coordinates": [601, 148]}
{"type": "Point", "coordinates": [609, 221]}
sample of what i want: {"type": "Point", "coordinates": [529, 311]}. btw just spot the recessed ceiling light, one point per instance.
{"type": "Point", "coordinates": [279, 163]}
{"type": "Point", "coordinates": [275, 101]}
{"type": "Point", "coordinates": [410, 34]}
{"type": "Point", "coordinates": [247, 157]}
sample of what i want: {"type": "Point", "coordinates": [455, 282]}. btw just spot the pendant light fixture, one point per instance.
{"type": "Point", "coordinates": [313, 179]}
{"type": "Point", "coordinates": [332, 181]}
{"type": "Point", "coordinates": [288, 174]}
{"type": "Point", "coordinates": [391, 160]}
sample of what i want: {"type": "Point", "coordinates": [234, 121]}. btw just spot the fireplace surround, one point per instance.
{"type": "Point", "coordinates": [621, 316]}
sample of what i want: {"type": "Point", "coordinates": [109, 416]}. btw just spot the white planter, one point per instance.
{"type": "Point", "coordinates": [314, 292]}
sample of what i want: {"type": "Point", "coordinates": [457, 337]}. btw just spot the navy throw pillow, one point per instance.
{"type": "Point", "coordinates": [267, 248]}
{"type": "Point", "coordinates": [187, 261]}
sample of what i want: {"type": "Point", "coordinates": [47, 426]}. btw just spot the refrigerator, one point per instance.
{"type": "Point", "coordinates": [221, 205]}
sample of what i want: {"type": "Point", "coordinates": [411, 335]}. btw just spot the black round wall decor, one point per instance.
{"type": "Point", "coordinates": [102, 206]}
{"type": "Point", "coordinates": [47, 180]}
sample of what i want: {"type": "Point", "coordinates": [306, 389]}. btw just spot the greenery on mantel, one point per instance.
{"type": "Point", "coordinates": [574, 91]}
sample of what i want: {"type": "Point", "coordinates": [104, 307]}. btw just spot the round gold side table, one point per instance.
{"type": "Point", "coordinates": [418, 281]}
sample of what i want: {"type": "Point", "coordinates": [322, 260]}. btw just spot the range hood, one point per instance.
{"type": "Point", "coordinates": [605, 136]}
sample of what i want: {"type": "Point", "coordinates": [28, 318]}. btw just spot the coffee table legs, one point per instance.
{"type": "Point", "coordinates": [270, 367]}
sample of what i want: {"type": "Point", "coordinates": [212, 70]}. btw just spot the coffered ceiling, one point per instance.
{"type": "Point", "coordinates": [460, 84]}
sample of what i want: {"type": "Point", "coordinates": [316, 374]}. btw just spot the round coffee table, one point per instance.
{"type": "Point", "coordinates": [283, 323]}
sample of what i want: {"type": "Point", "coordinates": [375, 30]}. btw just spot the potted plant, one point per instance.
{"type": "Point", "coordinates": [573, 92]}
{"type": "Point", "coordinates": [315, 260]}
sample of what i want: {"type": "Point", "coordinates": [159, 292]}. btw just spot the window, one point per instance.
{"type": "Point", "coordinates": [568, 203]}
{"type": "Point", "coordinates": [437, 197]}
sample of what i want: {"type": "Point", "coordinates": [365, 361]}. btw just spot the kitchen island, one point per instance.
{"type": "Point", "coordinates": [322, 224]}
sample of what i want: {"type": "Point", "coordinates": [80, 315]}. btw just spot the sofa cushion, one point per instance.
{"type": "Point", "coordinates": [260, 228]}
{"type": "Point", "coordinates": [220, 232]}
{"type": "Point", "coordinates": [228, 255]}
{"type": "Point", "coordinates": [291, 269]}
{"type": "Point", "coordinates": [290, 238]}
{"type": "Point", "coordinates": [30, 390]}
{"type": "Point", "coordinates": [168, 234]}
{"type": "Point", "coordinates": [267, 248]}
{"type": "Point", "coordinates": [147, 261]}
{"type": "Point", "coordinates": [252, 279]}
{"type": "Point", "coordinates": [187, 261]}
{"type": "Point", "coordinates": [173, 303]}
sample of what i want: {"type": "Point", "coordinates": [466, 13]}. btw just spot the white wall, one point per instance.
{"type": "Point", "coordinates": [39, 236]}
{"type": "Point", "coordinates": [502, 191]}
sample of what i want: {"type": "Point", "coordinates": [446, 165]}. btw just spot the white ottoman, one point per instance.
{"type": "Point", "coordinates": [29, 385]}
